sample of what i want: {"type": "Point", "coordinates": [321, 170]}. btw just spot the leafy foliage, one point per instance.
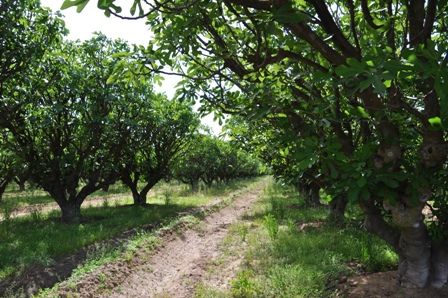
{"type": "Point", "coordinates": [212, 160]}
{"type": "Point", "coordinates": [156, 132]}
{"type": "Point", "coordinates": [361, 84]}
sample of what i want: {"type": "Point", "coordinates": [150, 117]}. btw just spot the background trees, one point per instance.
{"type": "Point", "coordinates": [209, 159]}
{"type": "Point", "coordinates": [361, 82]}
{"type": "Point", "coordinates": [156, 133]}
{"type": "Point", "coordinates": [8, 164]}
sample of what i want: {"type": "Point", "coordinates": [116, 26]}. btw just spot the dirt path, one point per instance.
{"type": "Point", "coordinates": [177, 265]}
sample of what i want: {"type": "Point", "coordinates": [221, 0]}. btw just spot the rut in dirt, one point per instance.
{"type": "Point", "coordinates": [179, 264]}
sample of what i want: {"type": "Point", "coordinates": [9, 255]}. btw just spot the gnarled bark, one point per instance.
{"type": "Point", "coordinates": [375, 224]}
{"type": "Point", "coordinates": [140, 196]}
{"type": "Point", "coordinates": [71, 212]}
{"type": "Point", "coordinates": [439, 264]}
{"type": "Point", "coordinates": [337, 209]}
{"type": "Point", "coordinates": [310, 194]}
{"type": "Point", "coordinates": [414, 245]}
{"type": "Point", "coordinates": [194, 185]}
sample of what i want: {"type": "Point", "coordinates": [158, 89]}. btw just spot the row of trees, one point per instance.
{"type": "Point", "coordinates": [354, 93]}
{"type": "Point", "coordinates": [79, 133]}
{"type": "Point", "coordinates": [72, 126]}
{"type": "Point", "coordinates": [212, 160]}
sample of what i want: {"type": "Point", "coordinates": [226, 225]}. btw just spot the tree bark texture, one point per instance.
{"type": "Point", "coordinates": [71, 212]}
{"type": "Point", "coordinates": [423, 261]}
{"type": "Point", "coordinates": [337, 209]}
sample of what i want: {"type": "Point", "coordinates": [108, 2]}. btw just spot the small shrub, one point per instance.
{"type": "Point", "coordinates": [271, 225]}
{"type": "Point", "coordinates": [243, 286]}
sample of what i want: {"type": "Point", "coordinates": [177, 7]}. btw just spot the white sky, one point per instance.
{"type": "Point", "coordinates": [91, 19]}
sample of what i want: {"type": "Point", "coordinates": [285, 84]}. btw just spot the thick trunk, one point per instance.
{"type": "Point", "coordinates": [138, 199]}
{"type": "Point", "coordinates": [337, 209]}
{"type": "Point", "coordinates": [20, 183]}
{"type": "Point", "coordinates": [375, 224]}
{"type": "Point", "coordinates": [415, 250]}
{"type": "Point", "coordinates": [71, 212]}
{"type": "Point", "coordinates": [414, 245]}
{"type": "Point", "coordinates": [310, 193]}
{"type": "Point", "coordinates": [2, 191]}
{"type": "Point", "coordinates": [3, 185]}
{"type": "Point", "coordinates": [194, 185]}
{"type": "Point", "coordinates": [439, 263]}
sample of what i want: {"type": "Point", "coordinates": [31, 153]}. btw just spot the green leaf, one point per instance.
{"type": "Point", "coordinates": [387, 83]}
{"type": "Point", "coordinates": [133, 8]}
{"type": "Point", "coordinates": [363, 85]}
{"type": "Point", "coordinates": [345, 71]}
{"type": "Point", "coordinates": [435, 122]}
{"type": "Point", "coordinates": [391, 182]}
{"type": "Point", "coordinates": [361, 182]}
{"type": "Point", "coordinates": [121, 54]}
{"type": "Point", "coordinates": [286, 14]}
{"type": "Point", "coordinates": [353, 194]}
{"type": "Point", "coordinates": [71, 3]}
{"type": "Point", "coordinates": [81, 6]}
{"type": "Point", "coordinates": [112, 79]}
{"type": "Point", "coordinates": [362, 112]}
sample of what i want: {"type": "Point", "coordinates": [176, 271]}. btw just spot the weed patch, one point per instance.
{"type": "Point", "coordinates": [293, 252]}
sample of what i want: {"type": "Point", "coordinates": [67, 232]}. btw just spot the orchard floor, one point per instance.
{"type": "Point", "coordinates": [256, 241]}
{"type": "Point", "coordinates": [176, 267]}
{"type": "Point", "coordinates": [385, 284]}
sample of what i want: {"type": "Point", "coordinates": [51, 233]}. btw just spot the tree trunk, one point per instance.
{"type": "Point", "coordinates": [375, 223]}
{"type": "Point", "coordinates": [414, 245]}
{"type": "Point", "coordinates": [138, 199]}
{"type": "Point", "coordinates": [71, 212]}
{"type": "Point", "coordinates": [194, 185]}
{"type": "Point", "coordinates": [310, 193]}
{"type": "Point", "coordinates": [20, 183]}
{"type": "Point", "coordinates": [439, 264]}
{"type": "Point", "coordinates": [415, 249]}
{"type": "Point", "coordinates": [3, 185]}
{"type": "Point", "coordinates": [2, 191]}
{"type": "Point", "coordinates": [337, 210]}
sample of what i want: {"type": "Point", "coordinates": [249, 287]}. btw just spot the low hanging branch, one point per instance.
{"type": "Point", "coordinates": [367, 15]}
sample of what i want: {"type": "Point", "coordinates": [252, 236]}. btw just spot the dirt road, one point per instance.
{"type": "Point", "coordinates": [180, 265]}
{"type": "Point", "coordinates": [180, 262]}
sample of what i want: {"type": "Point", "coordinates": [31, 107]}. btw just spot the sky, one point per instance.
{"type": "Point", "coordinates": [91, 19]}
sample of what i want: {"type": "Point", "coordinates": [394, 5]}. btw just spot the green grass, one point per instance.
{"type": "Point", "coordinates": [13, 198]}
{"type": "Point", "coordinates": [285, 261]}
{"type": "Point", "coordinates": [39, 238]}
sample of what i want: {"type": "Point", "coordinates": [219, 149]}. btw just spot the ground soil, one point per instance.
{"type": "Point", "coordinates": [35, 277]}
{"type": "Point", "coordinates": [176, 267]}
{"type": "Point", "coordinates": [48, 207]}
{"type": "Point", "coordinates": [384, 284]}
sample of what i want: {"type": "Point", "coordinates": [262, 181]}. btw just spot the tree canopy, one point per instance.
{"type": "Point", "coordinates": [362, 84]}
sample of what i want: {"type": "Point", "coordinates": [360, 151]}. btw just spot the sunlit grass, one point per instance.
{"type": "Point", "coordinates": [40, 238]}
{"type": "Point", "coordinates": [288, 259]}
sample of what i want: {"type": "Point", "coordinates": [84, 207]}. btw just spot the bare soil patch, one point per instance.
{"type": "Point", "coordinates": [48, 207]}
{"type": "Point", "coordinates": [174, 268]}
{"type": "Point", "coordinates": [384, 284]}
{"type": "Point", "coordinates": [37, 276]}
{"type": "Point", "coordinates": [302, 227]}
